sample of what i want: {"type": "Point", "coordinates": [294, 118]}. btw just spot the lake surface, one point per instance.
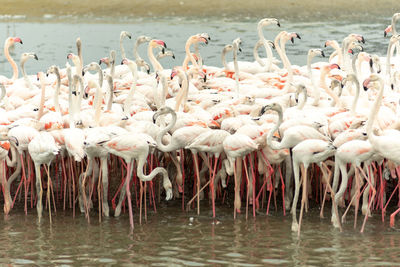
{"type": "Point", "coordinates": [170, 236]}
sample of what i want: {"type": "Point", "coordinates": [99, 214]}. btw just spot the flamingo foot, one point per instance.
{"type": "Point", "coordinates": [180, 189]}
{"type": "Point", "coordinates": [7, 209]}
{"type": "Point", "coordinates": [238, 210]}
{"type": "Point", "coordinates": [106, 209]}
{"type": "Point", "coordinates": [295, 227]}
{"type": "Point", "coordinates": [117, 211]}
{"type": "Point", "coordinates": [169, 194]}
{"type": "Point", "coordinates": [335, 221]}
{"type": "Point", "coordinates": [392, 220]}
{"type": "Point", "coordinates": [365, 210]}
{"type": "Point", "coordinates": [287, 203]}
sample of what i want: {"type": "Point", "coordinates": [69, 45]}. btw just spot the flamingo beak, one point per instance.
{"type": "Point", "coordinates": [371, 62]}
{"type": "Point", "coordinates": [17, 40]}
{"type": "Point", "coordinates": [322, 54]}
{"type": "Point", "coordinates": [277, 23]}
{"type": "Point", "coordinates": [366, 84]}
{"type": "Point", "coordinates": [155, 118]}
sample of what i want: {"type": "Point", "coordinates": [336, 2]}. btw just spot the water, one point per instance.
{"type": "Point", "coordinates": [52, 41]}
{"type": "Point", "coordinates": [170, 236]}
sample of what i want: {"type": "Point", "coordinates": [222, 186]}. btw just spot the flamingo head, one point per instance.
{"type": "Point", "coordinates": [17, 40]}
{"type": "Point", "coordinates": [161, 111]}
{"type": "Point", "coordinates": [357, 37]}
{"type": "Point", "coordinates": [158, 43]}
{"type": "Point", "coordinates": [294, 35]}
{"type": "Point", "coordinates": [387, 30]}
{"type": "Point", "coordinates": [366, 84]}
{"type": "Point", "coordinates": [173, 73]}
{"type": "Point", "coordinates": [206, 37]}
{"type": "Point", "coordinates": [267, 21]}
{"type": "Point", "coordinates": [272, 106]}
{"type": "Point", "coordinates": [71, 56]}
{"type": "Point", "coordinates": [125, 34]}
{"type": "Point", "coordinates": [104, 60]}
{"type": "Point", "coordinates": [125, 61]}
{"type": "Point", "coordinates": [334, 66]}
{"type": "Point", "coordinates": [315, 52]}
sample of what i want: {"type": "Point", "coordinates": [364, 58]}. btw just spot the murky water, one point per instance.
{"type": "Point", "coordinates": [53, 41]}
{"type": "Point", "coordinates": [173, 237]}
{"type": "Point", "coordinates": [170, 236]}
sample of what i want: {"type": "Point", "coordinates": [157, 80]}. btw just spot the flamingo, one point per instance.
{"type": "Point", "coordinates": [236, 147]}
{"type": "Point", "coordinates": [9, 42]}
{"type": "Point", "coordinates": [129, 147]}
{"type": "Point", "coordinates": [307, 152]}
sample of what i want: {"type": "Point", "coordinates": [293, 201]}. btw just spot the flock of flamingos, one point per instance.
{"type": "Point", "coordinates": [89, 134]}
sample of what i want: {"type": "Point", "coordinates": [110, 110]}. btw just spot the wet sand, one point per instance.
{"type": "Point", "coordinates": [118, 9]}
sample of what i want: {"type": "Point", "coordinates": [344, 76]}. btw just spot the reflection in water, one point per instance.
{"type": "Point", "coordinates": [170, 238]}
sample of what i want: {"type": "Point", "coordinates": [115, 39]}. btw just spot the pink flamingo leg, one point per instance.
{"type": "Point", "coordinates": [128, 193]}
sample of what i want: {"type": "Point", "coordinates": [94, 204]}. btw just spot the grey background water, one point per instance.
{"type": "Point", "coordinates": [53, 41]}
{"type": "Point", "coordinates": [169, 237]}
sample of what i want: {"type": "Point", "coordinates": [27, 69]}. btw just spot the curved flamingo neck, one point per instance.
{"type": "Point", "coordinates": [314, 85]}
{"type": "Point", "coordinates": [121, 45]}
{"type": "Point", "coordinates": [182, 95]}
{"type": "Point", "coordinates": [285, 61]}
{"type": "Point", "coordinates": [9, 41]}
{"type": "Point", "coordinates": [375, 109]}
{"type": "Point", "coordinates": [111, 91]}
{"type": "Point", "coordinates": [128, 101]}
{"type": "Point", "coordinates": [42, 96]}
{"type": "Point", "coordinates": [57, 92]}
{"type": "Point", "coordinates": [236, 67]}
{"type": "Point", "coordinates": [170, 146]}
{"type": "Point", "coordinates": [287, 65]}
{"type": "Point", "coordinates": [26, 79]}
{"type": "Point", "coordinates": [322, 84]}
{"type": "Point", "coordinates": [389, 54]}
{"type": "Point", "coordinates": [97, 104]}
{"type": "Point", "coordinates": [189, 42]}
{"type": "Point", "coordinates": [270, 142]}
{"type": "Point", "coordinates": [256, 55]}
{"type": "Point", "coordinates": [223, 58]}
{"type": "Point", "coordinates": [268, 49]}
{"type": "Point", "coordinates": [153, 60]}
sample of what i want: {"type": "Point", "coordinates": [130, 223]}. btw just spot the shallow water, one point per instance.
{"type": "Point", "coordinates": [171, 237]}
{"type": "Point", "coordinates": [53, 41]}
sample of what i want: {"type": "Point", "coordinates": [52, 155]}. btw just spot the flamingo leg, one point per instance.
{"type": "Point", "coordinates": [304, 196]}
{"type": "Point", "coordinates": [371, 200]}
{"type": "Point", "coordinates": [248, 187]}
{"type": "Point", "coordinates": [104, 168]}
{"type": "Point", "coordinates": [212, 184]}
{"type": "Point", "coordinates": [39, 191]}
{"type": "Point", "coordinates": [196, 166]}
{"type": "Point", "coordinates": [46, 167]}
{"type": "Point", "coordinates": [128, 193]}
{"type": "Point", "coordinates": [326, 175]}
